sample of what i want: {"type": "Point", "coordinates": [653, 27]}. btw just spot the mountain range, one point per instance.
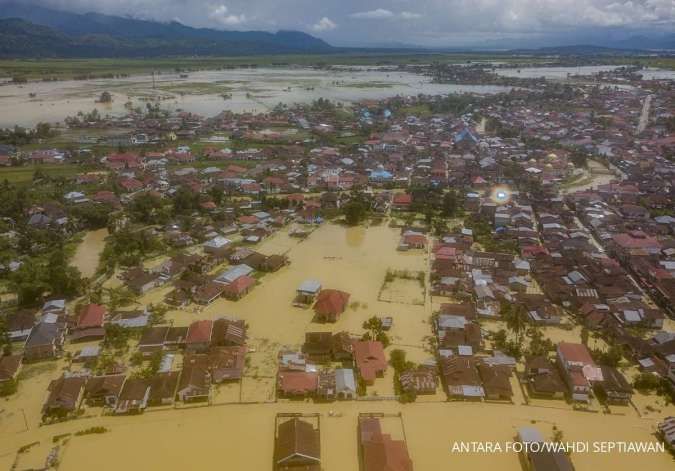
{"type": "Point", "coordinates": [33, 31]}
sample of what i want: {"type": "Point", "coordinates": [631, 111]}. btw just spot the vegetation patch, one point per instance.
{"type": "Point", "coordinates": [404, 287]}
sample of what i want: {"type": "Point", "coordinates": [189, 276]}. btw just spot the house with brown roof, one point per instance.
{"type": "Point", "coordinates": [330, 303]}
{"type": "Point", "coordinates": [65, 396]}
{"type": "Point", "coordinates": [297, 446]}
{"type": "Point", "coordinates": [379, 451]}
{"type": "Point", "coordinates": [614, 388]}
{"type": "Point", "coordinates": [195, 381]}
{"type": "Point", "coordinates": [208, 292]}
{"type": "Point", "coordinates": [318, 346]}
{"type": "Point", "coordinates": [19, 324]}
{"type": "Point", "coordinates": [419, 381]}
{"type": "Point", "coordinates": [104, 390]}
{"type": "Point", "coordinates": [370, 360]}
{"type": "Point", "coordinates": [543, 378]}
{"type": "Point", "coordinates": [134, 396]}
{"type": "Point", "coordinates": [9, 367]}
{"type": "Point", "coordinates": [496, 381]}
{"type": "Point", "coordinates": [223, 363]}
{"type": "Point", "coordinates": [461, 378]}
{"type": "Point", "coordinates": [228, 332]}
{"type": "Point", "coordinates": [163, 388]}
{"type": "Point", "coordinates": [274, 263]}
{"type": "Point", "coordinates": [153, 339]}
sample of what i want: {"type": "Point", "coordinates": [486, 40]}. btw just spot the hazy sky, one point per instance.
{"type": "Point", "coordinates": [423, 22]}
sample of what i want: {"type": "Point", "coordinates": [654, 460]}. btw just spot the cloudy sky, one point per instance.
{"type": "Point", "coordinates": [438, 23]}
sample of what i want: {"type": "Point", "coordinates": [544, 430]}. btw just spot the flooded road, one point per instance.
{"type": "Point", "coordinates": [88, 251]}
{"type": "Point", "coordinates": [252, 90]}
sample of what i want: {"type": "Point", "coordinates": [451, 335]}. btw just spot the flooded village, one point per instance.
{"type": "Point", "coordinates": [342, 282]}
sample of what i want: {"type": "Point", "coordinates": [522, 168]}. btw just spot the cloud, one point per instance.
{"type": "Point", "coordinates": [382, 14]}
{"type": "Point", "coordinates": [408, 15]}
{"type": "Point", "coordinates": [324, 24]}
{"type": "Point", "coordinates": [378, 14]}
{"type": "Point", "coordinates": [222, 16]}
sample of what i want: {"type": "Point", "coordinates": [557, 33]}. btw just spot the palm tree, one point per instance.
{"type": "Point", "coordinates": [516, 319]}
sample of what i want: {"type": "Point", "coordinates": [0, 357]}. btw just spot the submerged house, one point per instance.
{"type": "Point", "coordinates": [330, 304]}
{"type": "Point", "coordinates": [297, 446]}
{"type": "Point", "coordinates": [378, 451]}
{"type": "Point", "coordinates": [308, 291]}
{"type": "Point", "coordinates": [65, 396]}
{"type": "Point", "coordinates": [370, 360]}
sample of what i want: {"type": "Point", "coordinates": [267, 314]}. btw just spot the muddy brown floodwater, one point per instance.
{"type": "Point", "coordinates": [88, 251]}
{"type": "Point", "coordinates": [237, 436]}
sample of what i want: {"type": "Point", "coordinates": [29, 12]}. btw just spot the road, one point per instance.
{"type": "Point", "coordinates": [644, 117]}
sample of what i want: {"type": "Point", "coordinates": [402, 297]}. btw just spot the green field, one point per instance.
{"type": "Point", "coordinates": [24, 174]}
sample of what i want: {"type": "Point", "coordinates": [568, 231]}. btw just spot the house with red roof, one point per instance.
{"type": "Point", "coordinates": [330, 303]}
{"type": "Point", "coordinates": [90, 323]}
{"type": "Point", "coordinates": [297, 383]}
{"type": "Point", "coordinates": [369, 358]}
{"type": "Point", "coordinates": [413, 240]}
{"type": "Point", "coordinates": [636, 243]}
{"type": "Point", "coordinates": [117, 161]}
{"type": "Point", "coordinates": [239, 287]}
{"type": "Point", "coordinates": [250, 219]}
{"type": "Point", "coordinates": [130, 184]}
{"type": "Point", "coordinates": [199, 336]}
{"type": "Point", "coordinates": [578, 369]}
{"type": "Point", "coordinates": [402, 201]}
{"type": "Point", "coordinates": [379, 452]}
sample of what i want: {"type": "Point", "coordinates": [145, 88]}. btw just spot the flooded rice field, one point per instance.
{"type": "Point", "coordinates": [210, 92]}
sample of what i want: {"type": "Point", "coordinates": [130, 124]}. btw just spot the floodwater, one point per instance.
{"type": "Point", "coordinates": [88, 251]}
{"type": "Point", "coordinates": [250, 90]}
{"type": "Point", "coordinates": [241, 436]}
{"type": "Point", "coordinates": [651, 73]}
{"type": "Point", "coordinates": [554, 72]}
